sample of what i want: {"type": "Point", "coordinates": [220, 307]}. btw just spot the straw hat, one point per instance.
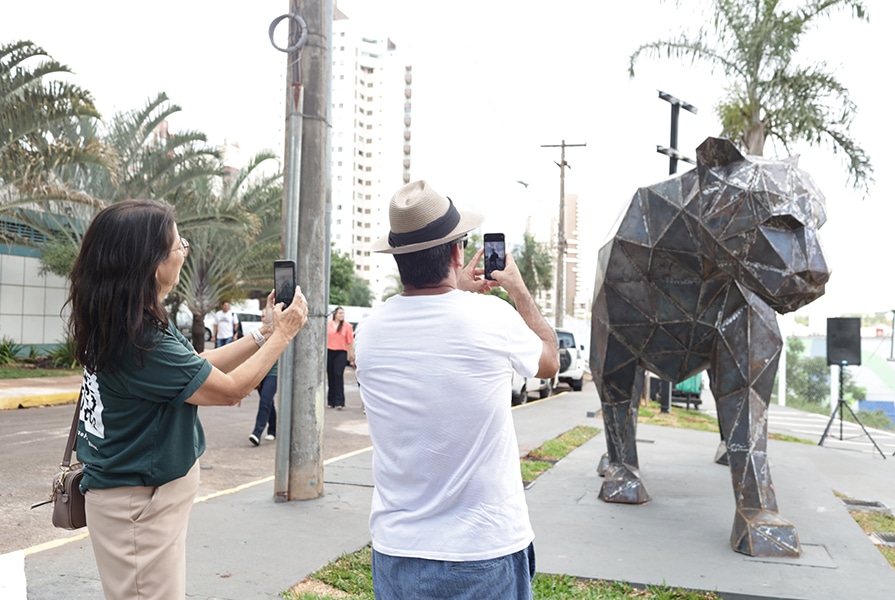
{"type": "Point", "coordinates": [421, 218]}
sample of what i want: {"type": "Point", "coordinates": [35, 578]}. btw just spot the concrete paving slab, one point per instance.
{"type": "Point", "coordinates": [681, 537]}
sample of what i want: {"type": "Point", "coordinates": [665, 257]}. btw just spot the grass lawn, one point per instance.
{"type": "Point", "coordinates": [693, 419]}
{"type": "Point", "coordinates": [874, 522]}
{"type": "Point", "coordinates": [24, 371]}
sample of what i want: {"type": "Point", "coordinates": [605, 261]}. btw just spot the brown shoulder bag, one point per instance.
{"type": "Point", "coordinates": [66, 496]}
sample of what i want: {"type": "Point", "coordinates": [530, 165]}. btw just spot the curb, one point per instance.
{"type": "Point", "coordinates": [33, 400]}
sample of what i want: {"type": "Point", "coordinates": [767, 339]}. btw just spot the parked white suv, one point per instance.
{"type": "Point", "coordinates": [523, 386]}
{"type": "Point", "coordinates": [571, 359]}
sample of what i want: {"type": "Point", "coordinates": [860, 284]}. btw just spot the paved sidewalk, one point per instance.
{"type": "Point", "coordinates": [243, 545]}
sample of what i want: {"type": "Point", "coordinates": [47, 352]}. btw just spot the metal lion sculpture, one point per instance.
{"type": "Point", "coordinates": [690, 280]}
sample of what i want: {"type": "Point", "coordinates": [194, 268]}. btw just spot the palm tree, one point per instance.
{"type": "Point", "coordinates": [45, 124]}
{"type": "Point", "coordinates": [150, 162]}
{"type": "Point", "coordinates": [395, 286]}
{"type": "Point", "coordinates": [754, 42]}
{"type": "Point", "coordinates": [535, 264]}
{"type": "Point", "coordinates": [234, 238]}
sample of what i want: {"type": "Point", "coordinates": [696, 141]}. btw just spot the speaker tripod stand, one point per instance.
{"type": "Point", "coordinates": [839, 408]}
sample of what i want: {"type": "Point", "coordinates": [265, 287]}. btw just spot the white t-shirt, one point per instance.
{"type": "Point", "coordinates": [226, 322]}
{"type": "Point", "coordinates": [435, 377]}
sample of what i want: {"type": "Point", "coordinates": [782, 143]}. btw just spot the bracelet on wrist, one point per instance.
{"type": "Point", "coordinates": [259, 337]}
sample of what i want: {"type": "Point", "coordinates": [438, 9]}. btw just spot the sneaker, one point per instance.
{"type": "Point", "coordinates": [254, 439]}
{"type": "Point", "coordinates": [270, 437]}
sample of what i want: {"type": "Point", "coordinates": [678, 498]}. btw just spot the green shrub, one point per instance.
{"type": "Point", "coordinates": [873, 418]}
{"type": "Point", "coordinates": [9, 350]}
{"type": "Point", "coordinates": [64, 355]}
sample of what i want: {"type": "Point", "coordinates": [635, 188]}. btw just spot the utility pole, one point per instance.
{"type": "Point", "coordinates": [561, 235]}
{"type": "Point", "coordinates": [299, 461]}
{"type": "Point", "coordinates": [672, 151]}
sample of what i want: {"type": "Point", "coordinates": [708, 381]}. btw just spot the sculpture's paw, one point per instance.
{"type": "Point", "coordinates": [721, 455]}
{"type": "Point", "coordinates": [603, 465]}
{"type": "Point", "coordinates": [622, 484]}
{"type": "Point", "coordinates": [764, 533]}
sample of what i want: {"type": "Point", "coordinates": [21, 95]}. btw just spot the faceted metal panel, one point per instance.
{"type": "Point", "coordinates": [691, 280]}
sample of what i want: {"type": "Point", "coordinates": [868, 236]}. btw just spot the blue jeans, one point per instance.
{"type": "Point", "coordinates": [222, 341]}
{"type": "Point", "coordinates": [505, 578]}
{"type": "Point", "coordinates": [267, 411]}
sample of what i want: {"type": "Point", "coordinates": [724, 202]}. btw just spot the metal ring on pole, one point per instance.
{"type": "Point", "coordinates": [301, 25]}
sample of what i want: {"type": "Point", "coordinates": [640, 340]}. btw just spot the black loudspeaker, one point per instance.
{"type": "Point", "coordinates": [844, 341]}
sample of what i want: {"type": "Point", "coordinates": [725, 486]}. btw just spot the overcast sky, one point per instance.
{"type": "Point", "coordinates": [492, 82]}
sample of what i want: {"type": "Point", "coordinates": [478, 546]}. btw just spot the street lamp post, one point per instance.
{"type": "Point", "coordinates": [673, 155]}
{"type": "Point", "coordinates": [672, 152]}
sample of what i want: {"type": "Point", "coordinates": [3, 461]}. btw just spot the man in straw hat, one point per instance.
{"type": "Point", "coordinates": [434, 364]}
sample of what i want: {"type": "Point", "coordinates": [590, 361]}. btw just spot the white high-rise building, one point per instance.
{"type": "Point", "coordinates": [370, 144]}
{"type": "Point", "coordinates": [577, 284]}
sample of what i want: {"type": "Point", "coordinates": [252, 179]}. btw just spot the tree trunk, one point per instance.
{"type": "Point", "coordinates": [754, 138]}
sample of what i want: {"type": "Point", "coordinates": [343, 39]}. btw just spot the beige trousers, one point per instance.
{"type": "Point", "coordinates": [139, 538]}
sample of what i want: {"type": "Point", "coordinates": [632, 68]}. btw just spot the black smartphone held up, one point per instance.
{"type": "Point", "coordinates": [284, 281]}
{"type": "Point", "coordinates": [495, 254]}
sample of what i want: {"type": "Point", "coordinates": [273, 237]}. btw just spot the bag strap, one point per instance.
{"type": "Point", "coordinates": [72, 434]}
{"type": "Point", "coordinates": [66, 456]}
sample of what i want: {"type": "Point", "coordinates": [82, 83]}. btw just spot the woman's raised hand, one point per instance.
{"type": "Point", "coordinates": [290, 320]}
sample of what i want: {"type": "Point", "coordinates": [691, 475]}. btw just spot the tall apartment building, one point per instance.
{"type": "Point", "coordinates": [576, 295]}
{"type": "Point", "coordinates": [370, 154]}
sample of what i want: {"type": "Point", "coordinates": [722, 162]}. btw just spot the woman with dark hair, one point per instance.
{"type": "Point", "coordinates": [139, 435]}
{"type": "Point", "coordinates": [339, 353]}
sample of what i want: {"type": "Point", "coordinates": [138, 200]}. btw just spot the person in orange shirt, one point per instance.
{"type": "Point", "coordinates": [339, 353]}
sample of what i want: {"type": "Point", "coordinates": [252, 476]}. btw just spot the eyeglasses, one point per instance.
{"type": "Point", "coordinates": [463, 241]}
{"type": "Point", "coordinates": [184, 247]}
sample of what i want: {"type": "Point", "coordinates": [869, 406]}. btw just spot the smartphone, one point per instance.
{"type": "Point", "coordinates": [284, 281]}
{"type": "Point", "coordinates": [495, 254]}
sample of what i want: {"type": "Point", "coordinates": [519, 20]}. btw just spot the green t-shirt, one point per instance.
{"type": "Point", "coordinates": [135, 427]}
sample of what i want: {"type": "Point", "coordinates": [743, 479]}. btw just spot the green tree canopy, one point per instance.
{"type": "Point", "coordinates": [535, 264]}
{"type": "Point", "coordinates": [770, 95]}
{"type": "Point", "coordinates": [345, 287]}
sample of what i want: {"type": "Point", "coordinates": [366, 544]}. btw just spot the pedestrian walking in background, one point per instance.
{"type": "Point", "coordinates": [434, 364]}
{"type": "Point", "coordinates": [139, 434]}
{"type": "Point", "coordinates": [267, 410]}
{"type": "Point", "coordinates": [339, 353]}
{"type": "Point", "coordinates": [226, 326]}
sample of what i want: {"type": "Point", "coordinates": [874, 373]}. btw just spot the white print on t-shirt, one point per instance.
{"type": "Point", "coordinates": [92, 406]}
